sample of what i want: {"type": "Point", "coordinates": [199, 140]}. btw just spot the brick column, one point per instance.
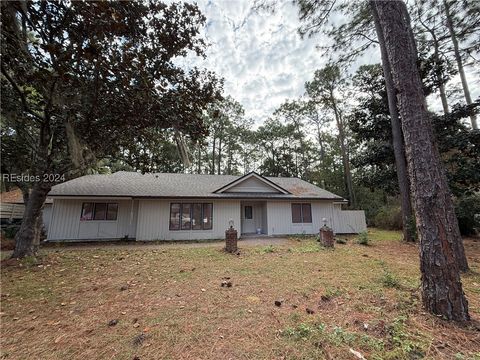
{"type": "Point", "coordinates": [231, 240]}
{"type": "Point", "coordinates": [326, 236]}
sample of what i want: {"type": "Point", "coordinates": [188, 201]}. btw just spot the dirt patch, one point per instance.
{"type": "Point", "coordinates": [169, 302]}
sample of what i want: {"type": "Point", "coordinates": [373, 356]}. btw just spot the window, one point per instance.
{"type": "Point", "coordinates": [306, 213]}
{"type": "Point", "coordinates": [296, 213]}
{"type": "Point", "coordinates": [174, 216]}
{"type": "Point", "coordinates": [207, 216]}
{"type": "Point", "coordinates": [301, 213]}
{"type": "Point", "coordinates": [248, 212]}
{"type": "Point", "coordinates": [197, 217]}
{"type": "Point", "coordinates": [191, 216]}
{"type": "Point", "coordinates": [186, 216]}
{"type": "Point", "coordinates": [112, 210]}
{"type": "Point", "coordinates": [87, 211]}
{"type": "Point", "coordinates": [99, 211]}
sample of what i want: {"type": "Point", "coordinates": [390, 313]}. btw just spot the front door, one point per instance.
{"type": "Point", "coordinates": [248, 222]}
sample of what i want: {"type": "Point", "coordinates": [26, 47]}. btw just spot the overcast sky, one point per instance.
{"type": "Point", "coordinates": [261, 56]}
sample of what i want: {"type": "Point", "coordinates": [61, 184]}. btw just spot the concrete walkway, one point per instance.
{"type": "Point", "coordinates": [249, 241]}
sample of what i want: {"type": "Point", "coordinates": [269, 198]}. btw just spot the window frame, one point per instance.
{"type": "Point", "coordinates": [94, 211]}
{"type": "Point", "coordinates": [302, 216]}
{"type": "Point", "coordinates": [192, 227]}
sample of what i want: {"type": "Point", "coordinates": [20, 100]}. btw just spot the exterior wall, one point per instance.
{"type": "Point", "coordinates": [10, 211]}
{"type": "Point", "coordinates": [149, 220]}
{"type": "Point", "coordinates": [279, 217]}
{"type": "Point", "coordinates": [46, 216]}
{"type": "Point", "coordinates": [252, 185]}
{"type": "Point", "coordinates": [65, 221]}
{"type": "Point", "coordinates": [154, 218]}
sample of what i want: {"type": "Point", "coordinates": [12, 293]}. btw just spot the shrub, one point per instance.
{"type": "Point", "coordinates": [10, 231]}
{"type": "Point", "coordinates": [363, 239]}
{"type": "Point", "coordinates": [467, 209]}
{"type": "Point", "coordinates": [389, 218]}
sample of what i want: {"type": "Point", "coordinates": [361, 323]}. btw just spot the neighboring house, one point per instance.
{"type": "Point", "coordinates": [189, 206]}
{"type": "Point", "coordinates": [12, 208]}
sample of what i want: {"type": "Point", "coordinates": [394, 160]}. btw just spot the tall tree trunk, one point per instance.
{"type": "Point", "coordinates": [437, 225]}
{"type": "Point", "coordinates": [343, 149]}
{"type": "Point", "coordinates": [438, 74]}
{"type": "Point", "coordinates": [199, 160]}
{"type": "Point", "coordinates": [397, 139]}
{"type": "Point", "coordinates": [219, 167]}
{"type": "Point", "coordinates": [27, 239]}
{"type": "Point", "coordinates": [458, 59]}
{"type": "Point", "coordinates": [229, 158]}
{"type": "Point", "coordinates": [212, 170]}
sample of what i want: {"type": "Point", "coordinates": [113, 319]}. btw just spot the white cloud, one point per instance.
{"type": "Point", "coordinates": [263, 59]}
{"type": "Point", "coordinates": [261, 56]}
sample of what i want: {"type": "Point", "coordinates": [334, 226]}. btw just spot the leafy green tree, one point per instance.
{"type": "Point", "coordinates": [85, 80]}
{"type": "Point", "coordinates": [323, 90]}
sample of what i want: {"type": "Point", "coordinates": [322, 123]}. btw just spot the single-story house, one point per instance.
{"type": "Point", "coordinates": [163, 206]}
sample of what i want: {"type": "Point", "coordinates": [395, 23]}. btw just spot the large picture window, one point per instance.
{"type": "Point", "coordinates": [191, 216]}
{"type": "Point", "coordinates": [99, 211]}
{"type": "Point", "coordinates": [301, 213]}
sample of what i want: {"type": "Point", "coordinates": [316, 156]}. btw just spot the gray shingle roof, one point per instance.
{"type": "Point", "coordinates": [165, 185]}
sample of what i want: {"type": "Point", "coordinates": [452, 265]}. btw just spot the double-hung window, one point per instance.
{"type": "Point", "coordinates": [301, 213]}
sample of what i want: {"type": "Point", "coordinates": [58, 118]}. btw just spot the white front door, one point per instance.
{"type": "Point", "coordinates": [248, 219]}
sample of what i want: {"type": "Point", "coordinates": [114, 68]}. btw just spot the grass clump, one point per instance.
{"type": "Point", "coordinates": [337, 336]}
{"type": "Point", "coordinates": [403, 347]}
{"type": "Point", "coordinates": [362, 238]}
{"type": "Point", "coordinates": [341, 241]}
{"type": "Point", "coordinates": [390, 280]}
{"type": "Point", "coordinates": [267, 249]}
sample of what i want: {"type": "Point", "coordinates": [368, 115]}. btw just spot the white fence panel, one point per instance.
{"type": "Point", "coordinates": [350, 222]}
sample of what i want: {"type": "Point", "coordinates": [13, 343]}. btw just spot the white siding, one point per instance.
{"type": "Point", "coordinates": [279, 217]}
{"type": "Point", "coordinates": [149, 220]}
{"type": "Point", "coordinates": [350, 221]}
{"type": "Point", "coordinates": [252, 184]}
{"type": "Point", "coordinates": [46, 216]}
{"type": "Point", "coordinates": [154, 216]}
{"type": "Point", "coordinates": [65, 222]}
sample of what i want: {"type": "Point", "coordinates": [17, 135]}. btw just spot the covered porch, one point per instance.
{"type": "Point", "coordinates": [253, 218]}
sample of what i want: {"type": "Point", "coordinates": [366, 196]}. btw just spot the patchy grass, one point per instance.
{"type": "Point", "coordinates": [168, 303]}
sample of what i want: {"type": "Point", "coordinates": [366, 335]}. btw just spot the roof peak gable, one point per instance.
{"type": "Point", "coordinates": [246, 182]}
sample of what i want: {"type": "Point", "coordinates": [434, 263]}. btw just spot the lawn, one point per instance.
{"type": "Point", "coordinates": [168, 303]}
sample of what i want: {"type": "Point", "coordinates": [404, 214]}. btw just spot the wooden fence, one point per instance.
{"type": "Point", "coordinates": [11, 211]}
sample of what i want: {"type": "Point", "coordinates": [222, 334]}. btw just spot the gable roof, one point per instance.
{"type": "Point", "coordinates": [14, 196]}
{"type": "Point", "coordinates": [167, 185]}
{"type": "Point", "coordinates": [248, 176]}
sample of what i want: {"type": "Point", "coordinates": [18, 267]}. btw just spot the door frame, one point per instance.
{"type": "Point", "coordinates": [251, 222]}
